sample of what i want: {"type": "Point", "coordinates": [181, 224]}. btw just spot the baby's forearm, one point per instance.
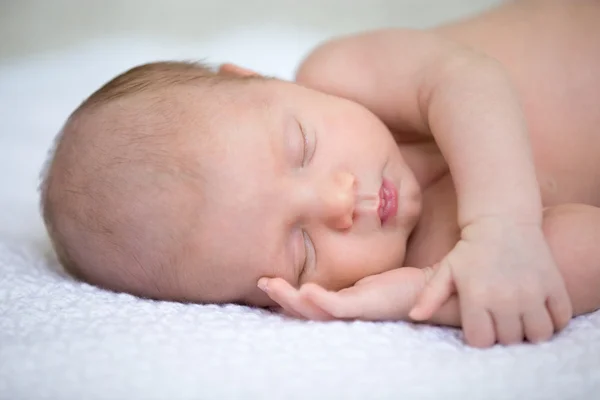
{"type": "Point", "coordinates": [476, 118]}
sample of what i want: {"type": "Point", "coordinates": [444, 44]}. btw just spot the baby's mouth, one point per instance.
{"type": "Point", "coordinates": [384, 203]}
{"type": "Point", "coordinates": [388, 205]}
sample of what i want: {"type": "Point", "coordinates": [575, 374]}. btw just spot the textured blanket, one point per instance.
{"type": "Point", "coordinates": [61, 339]}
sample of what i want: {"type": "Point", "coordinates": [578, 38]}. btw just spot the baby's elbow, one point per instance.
{"type": "Point", "coordinates": [464, 73]}
{"type": "Point", "coordinates": [468, 66]}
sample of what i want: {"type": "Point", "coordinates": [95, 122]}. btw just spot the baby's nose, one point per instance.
{"type": "Point", "coordinates": [338, 200]}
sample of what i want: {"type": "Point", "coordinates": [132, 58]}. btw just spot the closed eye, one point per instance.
{"type": "Point", "coordinates": [304, 144]}
{"type": "Point", "coordinates": [308, 151]}
{"type": "Point", "coordinates": [310, 254]}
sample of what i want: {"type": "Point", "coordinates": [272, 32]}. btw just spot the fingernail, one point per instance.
{"type": "Point", "coordinates": [415, 314]}
{"type": "Point", "coordinates": [263, 284]}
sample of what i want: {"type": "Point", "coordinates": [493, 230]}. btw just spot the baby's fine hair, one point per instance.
{"type": "Point", "coordinates": [110, 164]}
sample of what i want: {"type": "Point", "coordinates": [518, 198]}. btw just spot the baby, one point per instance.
{"type": "Point", "coordinates": [449, 175]}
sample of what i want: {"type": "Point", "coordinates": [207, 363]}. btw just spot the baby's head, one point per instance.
{"type": "Point", "coordinates": [175, 182]}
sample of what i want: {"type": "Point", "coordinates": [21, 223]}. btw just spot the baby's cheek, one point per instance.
{"type": "Point", "coordinates": [342, 259]}
{"type": "Point", "coordinates": [345, 275]}
{"type": "Point", "coordinates": [343, 269]}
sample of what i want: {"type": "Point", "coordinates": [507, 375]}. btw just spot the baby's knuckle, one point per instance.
{"type": "Point", "coordinates": [558, 290]}
{"type": "Point", "coordinates": [500, 296]}
{"type": "Point", "coordinates": [530, 296]}
{"type": "Point", "coordinates": [551, 282]}
{"type": "Point", "coordinates": [507, 297]}
{"type": "Point", "coordinates": [478, 293]}
{"type": "Point", "coordinates": [541, 335]}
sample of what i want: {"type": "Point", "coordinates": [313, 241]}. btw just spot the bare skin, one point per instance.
{"type": "Point", "coordinates": [447, 176]}
{"type": "Point", "coordinates": [550, 51]}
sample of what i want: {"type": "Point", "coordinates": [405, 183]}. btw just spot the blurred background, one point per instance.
{"type": "Point", "coordinates": [30, 26]}
{"type": "Point", "coordinates": [54, 53]}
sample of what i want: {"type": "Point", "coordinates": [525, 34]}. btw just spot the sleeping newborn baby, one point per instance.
{"type": "Point", "coordinates": [448, 176]}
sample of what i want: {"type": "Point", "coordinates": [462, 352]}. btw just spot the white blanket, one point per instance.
{"type": "Point", "coordinates": [60, 339]}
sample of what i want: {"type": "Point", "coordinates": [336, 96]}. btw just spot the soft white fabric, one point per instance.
{"type": "Point", "coordinates": [60, 339]}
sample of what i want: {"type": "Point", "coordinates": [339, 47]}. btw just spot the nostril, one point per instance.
{"type": "Point", "coordinates": [346, 221]}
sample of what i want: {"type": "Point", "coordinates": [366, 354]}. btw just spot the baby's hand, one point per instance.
{"type": "Point", "coordinates": [507, 282]}
{"type": "Point", "coordinates": [386, 296]}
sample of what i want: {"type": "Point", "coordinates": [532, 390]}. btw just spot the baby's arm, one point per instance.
{"type": "Point", "coordinates": [422, 83]}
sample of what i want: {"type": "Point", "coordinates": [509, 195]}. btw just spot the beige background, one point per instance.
{"type": "Point", "coordinates": [31, 26]}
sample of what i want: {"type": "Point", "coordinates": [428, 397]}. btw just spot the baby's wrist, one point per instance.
{"type": "Point", "coordinates": [517, 218]}
{"type": "Point", "coordinates": [498, 225]}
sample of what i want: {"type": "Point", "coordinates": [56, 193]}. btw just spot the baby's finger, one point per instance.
{"type": "Point", "coordinates": [478, 325]}
{"type": "Point", "coordinates": [538, 325]}
{"type": "Point", "coordinates": [387, 296]}
{"type": "Point", "coordinates": [289, 299]}
{"type": "Point", "coordinates": [281, 293]}
{"type": "Point", "coordinates": [560, 309]}
{"type": "Point", "coordinates": [347, 303]}
{"type": "Point", "coordinates": [434, 295]}
{"type": "Point", "coordinates": [509, 328]}
{"type": "Point", "coordinates": [366, 302]}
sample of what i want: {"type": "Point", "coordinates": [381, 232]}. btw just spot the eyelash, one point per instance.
{"type": "Point", "coordinates": [307, 245]}
{"type": "Point", "coordinates": [305, 146]}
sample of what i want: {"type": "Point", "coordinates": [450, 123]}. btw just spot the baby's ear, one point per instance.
{"type": "Point", "coordinates": [233, 69]}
